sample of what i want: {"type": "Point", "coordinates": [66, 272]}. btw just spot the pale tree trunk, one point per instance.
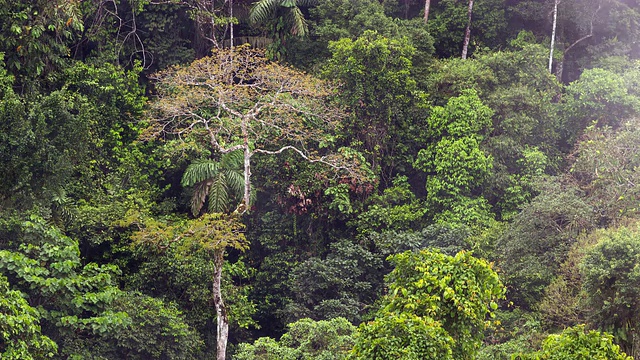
{"type": "Point", "coordinates": [553, 33]}
{"type": "Point", "coordinates": [221, 310]}
{"type": "Point", "coordinates": [231, 19]}
{"type": "Point", "coordinates": [427, 5]}
{"type": "Point", "coordinates": [247, 166]}
{"type": "Point", "coordinates": [467, 33]}
{"type": "Point", "coordinates": [559, 66]}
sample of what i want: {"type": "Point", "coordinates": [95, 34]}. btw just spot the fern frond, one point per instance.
{"type": "Point", "coordinates": [218, 194]}
{"type": "Point", "coordinates": [263, 10]}
{"type": "Point", "coordinates": [199, 171]}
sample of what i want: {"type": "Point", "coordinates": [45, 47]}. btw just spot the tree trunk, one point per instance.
{"type": "Point", "coordinates": [247, 166]}
{"type": "Point", "coordinates": [427, 5]}
{"type": "Point", "coordinates": [467, 33]}
{"type": "Point", "coordinates": [221, 310]}
{"type": "Point", "coordinates": [231, 23]}
{"type": "Point", "coordinates": [553, 33]}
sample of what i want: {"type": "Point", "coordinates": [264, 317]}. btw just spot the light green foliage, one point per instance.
{"type": "Point", "coordinates": [305, 340]}
{"type": "Point", "coordinates": [600, 97]}
{"type": "Point", "coordinates": [611, 279]}
{"type": "Point", "coordinates": [378, 88]}
{"type": "Point", "coordinates": [20, 334]}
{"type": "Point", "coordinates": [403, 336]}
{"type": "Point", "coordinates": [213, 232]}
{"type": "Point", "coordinates": [341, 201]}
{"type": "Point", "coordinates": [576, 343]}
{"type": "Point", "coordinates": [448, 298]}
{"type": "Point", "coordinates": [455, 165]}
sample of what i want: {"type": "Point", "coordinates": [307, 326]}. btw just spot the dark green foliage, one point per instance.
{"type": "Point", "coordinates": [292, 17]}
{"type": "Point", "coordinates": [396, 209]}
{"type": "Point", "coordinates": [52, 138]}
{"type": "Point", "coordinates": [386, 105]}
{"type": "Point", "coordinates": [449, 239]}
{"type": "Point", "coordinates": [341, 285]}
{"type": "Point", "coordinates": [537, 241]}
{"type": "Point", "coordinates": [448, 21]}
{"type": "Point", "coordinates": [221, 182]}
{"type": "Point", "coordinates": [35, 36]}
{"type": "Point", "coordinates": [79, 306]}
{"type": "Point", "coordinates": [611, 281]}
{"type": "Point", "coordinates": [491, 154]}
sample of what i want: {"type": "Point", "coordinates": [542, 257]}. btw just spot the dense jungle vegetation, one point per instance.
{"type": "Point", "coordinates": [367, 179]}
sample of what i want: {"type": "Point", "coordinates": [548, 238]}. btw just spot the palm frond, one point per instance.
{"type": "Point", "coordinates": [299, 26]}
{"type": "Point", "coordinates": [218, 194]}
{"type": "Point", "coordinates": [200, 192]}
{"type": "Point", "coordinates": [235, 182]}
{"type": "Point", "coordinates": [263, 10]}
{"type": "Point", "coordinates": [232, 160]}
{"type": "Point", "coordinates": [307, 3]}
{"type": "Point", "coordinates": [199, 171]}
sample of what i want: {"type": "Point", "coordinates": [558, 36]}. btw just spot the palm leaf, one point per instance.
{"type": "Point", "coordinates": [200, 192]}
{"type": "Point", "coordinates": [306, 3]}
{"type": "Point", "coordinates": [263, 10]}
{"type": "Point", "coordinates": [218, 194]}
{"type": "Point", "coordinates": [199, 171]}
{"type": "Point", "coordinates": [298, 24]}
{"type": "Point", "coordinates": [235, 182]}
{"type": "Point", "coordinates": [232, 160]}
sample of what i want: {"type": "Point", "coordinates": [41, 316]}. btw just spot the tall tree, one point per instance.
{"type": "Point", "coordinates": [238, 100]}
{"type": "Point", "coordinates": [213, 233]}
